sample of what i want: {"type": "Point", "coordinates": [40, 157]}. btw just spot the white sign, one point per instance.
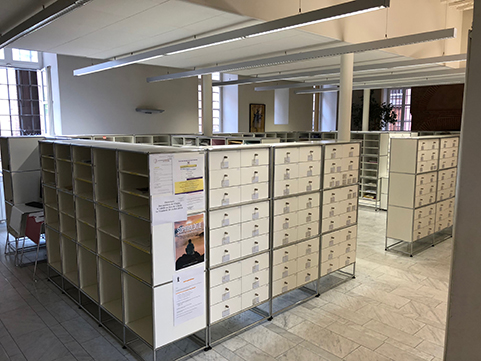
{"type": "Point", "coordinates": [167, 209]}
{"type": "Point", "coordinates": [189, 294]}
{"type": "Point", "coordinates": [161, 179]}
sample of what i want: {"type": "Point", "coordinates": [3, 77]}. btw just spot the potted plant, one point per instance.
{"type": "Point", "coordinates": [380, 115]}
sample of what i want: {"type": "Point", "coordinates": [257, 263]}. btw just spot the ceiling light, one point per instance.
{"type": "Point", "coordinates": [385, 77]}
{"type": "Point", "coordinates": [359, 68]}
{"type": "Point", "coordinates": [40, 19]}
{"type": "Point", "coordinates": [339, 50]}
{"type": "Point", "coordinates": [290, 22]}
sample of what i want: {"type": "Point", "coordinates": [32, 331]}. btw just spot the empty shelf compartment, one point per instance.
{"type": "Point", "coordinates": [69, 260]}
{"type": "Point", "coordinates": [85, 211]}
{"type": "Point", "coordinates": [50, 197]}
{"type": "Point", "coordinates": [82, 172]}
{"type": "Point", "coordinates": [47, 178]}
{"type": "Point", "coordinates": [53, 249]}
{"type": "Point", "coordinates": [144, 139]}
{"type": "Point", "coordinates": [134, 205]}
{"type": "Point", "coordinates": [134, 163]}
{"type": "Point", "coordinates": [108, 220]}
{"type": "Point", "coordinates": [64, 175]}
{"type": "Point", "coordinates": [88, 273]}
{"type": "Point", "coordinates": [138, 308]}
{"type": "Point", "coordinates": [109, 248]}
{"type": "Point", "coordinates": [67, 226]}
{"type": "Point", "coordinates": [86, 236]}
{"type": "Point", "coordinates": [62, 151]}
{"type": "Point", "coordinates": [110, 287]}
{"type": "Point", "coordinates": [82, 155]}
{"type": "Point", "coordinates": [46, 149]}
{"type": "Point", "coordinates": [84, 189]}
{"type": "Point", "coordinates": [136, 232]}
{"type": "Point", "coordinates": [51, 217]}
{"type": "Point", "coordinates": [137, 262]}
{"type": "Point", "coordinates": [134, 185]}
{"type": "Point", "coordinates": [66, 203]}
{"type": "Point", "coordinates": [105, 175]}
{"type": "Point", "coordinates": [48, 164]}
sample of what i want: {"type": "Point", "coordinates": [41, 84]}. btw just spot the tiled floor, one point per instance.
{"type": "Point", "coordinates": [395, 309]}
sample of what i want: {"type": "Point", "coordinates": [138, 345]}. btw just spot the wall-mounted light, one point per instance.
{"type": "Point", "coordinates": [149, 111]}
{"type": "Point", "coordinates": [291, 22]}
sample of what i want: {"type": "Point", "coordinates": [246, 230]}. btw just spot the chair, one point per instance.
{"type": "Point", "coordinates": [33, 231]}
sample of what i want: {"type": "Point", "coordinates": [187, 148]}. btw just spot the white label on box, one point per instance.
{"type": "Point", "coordinates": [225, 183]}
{"type": "Point", "coordinates": [333, 199]}
{"type": "Point", "coordinates": [284, 289]}
{"type": "Point", "coordinates": [308, 278]}
{"type": "Point", "coordinates": [333, 155]}
{"type": "Point", "coordinates": [287, 176]}
{"type": "Point", "coordinates": [308, 264]}
{"type": "Point", "coordinates": [331, 242]}
{"type": "Point", "coordinates": [225, 222]}
{"type": "Point", "coordinates": [331, 213]}
{"type": "Point", "coordinates": [348, 236]}
{"type": "Point", "coordinates": [285, 240]}
{"type": "Point", "coordinates": [225, 278]}
{"type": "Point", "coordinates": [226, 296]}
{"type": "Point", "coordinates": [287, 209]}
{"type": "Point", "coordinates": [287, 159]}
{"type": "Point", "coordinates": [255, 300]}
{"type": "Point", "coordinates": [308, 218]}
{"type": "Point", "coordinates": [285, 258]}
{"type": "Point", "coordinates": [348, 222]}
{"type": "Point", "coordinates": [255, 161]}
{"type": "Point", "coordinates": [309, 204]}
{"type": "Point", "coordinates": [331, 227]}
{"type": "Point", "coordinates": [308, 250]}
{"type": "Point", "coordinates": [339, 169]}
{"type": "Point", "coordinates": [255, 232]}
{"type": "Point", "coordinates": [255, 216]}
{"type": "Point", "coordinates": [255, 195]}
{"type": "Point", "coordinates": [255, 285]}
{"type": "Point", "coordinates": [255, 268]}
{"type": "Point", "coordinates": [286, 191]}
{"type": "Point", "coordinates": [226, 258]}
{"type": "Point", "coordinates": [225, 201]}
{"type": "Point", "coordinates": [333, 169]}
{"type": "Point", "coordinates": [226, 240]}
{"type": "Point", "coordinates": [351, 154]}
{"type": "Point", "coordinates": [309, 172]}
{"type": "Point", "coordinates": [309, 187]}
{"type": "Point", "coordinates": [285, 225]}
{"type": "Point", "coordinates": [224, 164]}
{"type": "Point", "coordinates": [255, 249]}
{"type": "Point", "coordinates": [348, 249]}
{"type": "Point", "coordinates": [255, 178]}
{"type": "Point", "coordinates": [331, 184]}
{"type": "Point", "coordinates": [308, 233]}
{"type": "Point", "coordinates": [285, 274]}
{"type": "Point", "coordinates": [330, 255]}
{"type": "Point", "coordinates": [226, 312]}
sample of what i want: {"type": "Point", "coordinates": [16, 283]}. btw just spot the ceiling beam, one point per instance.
{"type": "Point", "coordinates": [359, 68]}
{"type": "Point", "coordinates": [290, 22]}
{"type": "Point", "coordinates": [384, 77]}
{"type": "Point", "coordinates": [339, 50]}
{"type": "Point", "coordinates": [40, 19]}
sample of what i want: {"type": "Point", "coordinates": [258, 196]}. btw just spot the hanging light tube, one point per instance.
{"type": "Point", "coordinates": [291, 22]}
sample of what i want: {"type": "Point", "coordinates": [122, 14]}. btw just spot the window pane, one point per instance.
{"type": "Point", "coordinates": [4, 107]}
{"type": "Point", "coordinates": [216, 97]}
{"type": "Point", "coordinates": [3, 76]}
{"type": "Point", "coordinates": [25, 55]}
{"type": "Point", "coordinates": [215, 76]}
{"type": "Point", "coordinates": [215, 105]}
{"type": "Point", "coordinates": [200, 104]}
{"type": "Point", "coordinates": [3, 91]}
{"type": "Point", "coordinates": [216, 113]}
{"type": "Point", "coordinates": [13, 107]}
{"type": "Point", "coordinates": [2, 54]}
{"type": "Point", "coordinates": [13, 91]}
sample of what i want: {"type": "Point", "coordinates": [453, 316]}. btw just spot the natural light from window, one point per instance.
{"type": "Point", "coordinates": [29, 56]}
{"type": "Point", "coordinates": [401, 100]}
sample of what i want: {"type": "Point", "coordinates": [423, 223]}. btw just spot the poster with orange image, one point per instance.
{"type": "Point", "coordinates": [189, 241]}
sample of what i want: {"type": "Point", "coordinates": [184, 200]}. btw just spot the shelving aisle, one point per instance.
{"type": "Point", "coordinates": [104, 250]}
{"type": "Point", "coordinates": [422, 190]}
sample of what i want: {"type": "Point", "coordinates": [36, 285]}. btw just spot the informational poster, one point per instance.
{"type": "Point", "coordinates": [168, 209]}
{"type": "Point", "coordinates": [189, 295]}
{"type": "Point", "coordinates": [161, 178]}
{"type": "Point", "coordinates": [188, 173]}
{"type": "Point", "coordinates": [189, 241]}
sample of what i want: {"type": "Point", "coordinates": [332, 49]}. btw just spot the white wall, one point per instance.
{"type": "Point", "coordinates": [300, 109]}
{"type": "Point", "coordinates": [105, 102]}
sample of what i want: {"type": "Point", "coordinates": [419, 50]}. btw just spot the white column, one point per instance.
{"type": "Point", "coordinates": [464, 317]}
{"type": "Point", "coordinates": [365, 109]}
{"type": "Point", "coordinates": [207, 105]}
{"type": "Point", "coordinates": [345, 97]}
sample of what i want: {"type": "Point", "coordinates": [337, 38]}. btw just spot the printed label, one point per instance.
{"type": "Point", "coordinates": [285, 273]}
{"type": "Point", "coordinates": [225, 201]}
{"type": "Point", "coordinates": [225, 222]}
{"type": "Point", "coordinates": [226, 312]}
{"type": "Point", "coordinates": [255, 285]}
{"type": "Point", "coordinates": [285, 258]}
{"type": "Point", "coordinates": [255, 249]}
{"type": "Point", "coordinates": [255, 161]}
{"type": "Point", "coordinates": [255, 301]}
{"type": "Point", "coordinates": [225, 296]}
{"type": "Point", "coordinates": [224, 164]}
{"type": "Point", "coordinates": [255, 268]}
{"type": "Point", "coordinates": [226, 258]}
{"type": "Point", "coordinates": [226, 278]}
{"type": "Point", "coordinates": [225, 183]}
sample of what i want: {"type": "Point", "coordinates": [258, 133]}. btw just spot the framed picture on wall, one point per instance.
{"type": "Point", "coordinates": [257, 118]}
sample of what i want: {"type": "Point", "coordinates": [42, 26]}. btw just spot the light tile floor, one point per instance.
{"type": "Point", "coordinates": [395, 309]}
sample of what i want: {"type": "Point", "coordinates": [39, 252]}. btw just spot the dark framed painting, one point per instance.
{"type": "Point", "coordinates": [257, 118]}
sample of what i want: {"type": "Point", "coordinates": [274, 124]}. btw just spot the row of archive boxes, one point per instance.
{"type": "Point", "coordinates": [338, 249]}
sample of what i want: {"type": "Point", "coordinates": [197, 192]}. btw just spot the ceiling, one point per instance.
{"type": "Point", "coordinates": [105, 29]}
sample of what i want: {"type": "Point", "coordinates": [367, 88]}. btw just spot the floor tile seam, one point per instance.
{"type": "Point", "coordinates": [358, 346]}
{"type": "Point", "coordinates": [411, 347]}
{"type": "Point", "coordinates": [13, 339]}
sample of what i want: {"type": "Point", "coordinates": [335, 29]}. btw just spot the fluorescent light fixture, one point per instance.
{"type": "Point", "coordinates": [399, 84]}
{"type": "Point", "coordinates": [379, 78]}
{"type": "Point", "coordinates": [40, 19]}
{"type": "Point", "coordinates": [290, 22]}
{"type": "Point", "coordinates": [360, 68]}
{"type": "Point", "coordinates": [315, 54]}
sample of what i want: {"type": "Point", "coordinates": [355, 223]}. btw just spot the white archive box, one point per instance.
{"type": "Point", "coordinates": [311, 153]}
{"type": "Point", "coordinates": [286, 155]}
{"type": "Point", "coordinates": [286, 205]}
{"type": "Point", "coordinates": [226, 159]}
{"type": "Point", "coordinates": [254, 157]}
{"type": "Point", "coordinates": [286, 171]}
{"type": "Point", "coordinates": [253, 175]}
{"type": "Point", "coordinates": [253, 211]}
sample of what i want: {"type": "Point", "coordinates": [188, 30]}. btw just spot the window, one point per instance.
{"type": "Point", "coordinates": [313, 111]}
{"type": "Point", "coordinates": [216, 105]}
{"type": "Point", "coordinates": [401, 99]}
{"type": "Point", "coordinates": [21, 112]}
{"type": "Point", "coordinates": [29, 56]}
{"type": "Point", "coordinates": [199, 99]}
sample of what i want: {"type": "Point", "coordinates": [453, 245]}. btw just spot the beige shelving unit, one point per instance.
{"type": "Point", "coordinates": [422, 189]}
